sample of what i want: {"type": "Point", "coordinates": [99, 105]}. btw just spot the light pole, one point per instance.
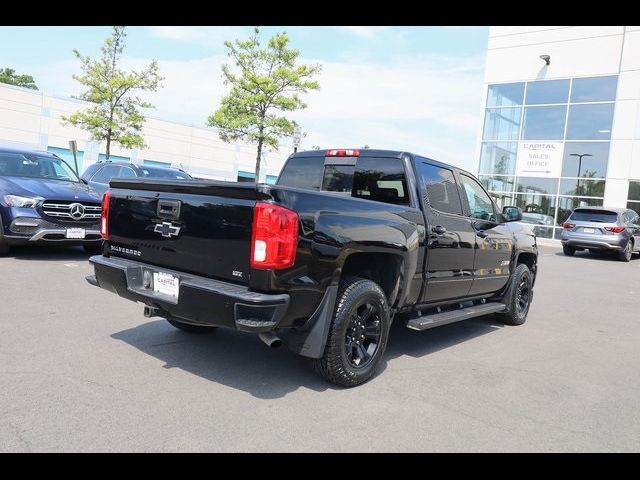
{"type": "Point", "coordinates": [580, 155]}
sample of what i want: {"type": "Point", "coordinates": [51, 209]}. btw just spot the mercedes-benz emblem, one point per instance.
{"type": "Point", "coordinates": [76, 211]}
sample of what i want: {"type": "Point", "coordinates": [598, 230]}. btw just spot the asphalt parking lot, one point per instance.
{"type": "Point", "coordinates": [83, 370]}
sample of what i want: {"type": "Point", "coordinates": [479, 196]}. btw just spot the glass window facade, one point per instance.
{"type": "Point", "coordinates": [246, 177]}
{"type": "Point", "coordinates": [502, 124]}
{"type": "Point", "coordinates": [498, 158]}
{"type": "Point", "coordinates": [505, 95]}
{"type": "Point", "coordinates": [594, 89]}
{"type": "Point", "coordinates": [585, 159]}
{"type": "Point", "coordinates": [547, 92]}
{"type": "Point", "coordinates": [633, 197]}
{"type": "Point", "coordinates": [575, 112]}
{"type": "Point", "coordinates": [590, 121]}
{"type": "Point", "coordinates": [544, 123]}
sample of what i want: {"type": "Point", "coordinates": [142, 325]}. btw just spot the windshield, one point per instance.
{"type": "Point", "coordinates": [164, 173]}
{"type": "Point", "coordinates": [35, 166]}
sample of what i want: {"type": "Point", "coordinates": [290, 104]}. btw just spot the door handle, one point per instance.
{"type": "Point", "coordinates": [481, 233]}
{"type": "Point", "coordinates": [169, 209]}
{"type": "Point", "coordinates": [439, 230]}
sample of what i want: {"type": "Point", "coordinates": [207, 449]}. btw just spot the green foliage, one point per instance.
{"type": "Point", "coordinates": [115, 116]}
{"type": "Point", "coordinates": [8, 75]}
{"type": "Point", "coordinates": [268, 83]}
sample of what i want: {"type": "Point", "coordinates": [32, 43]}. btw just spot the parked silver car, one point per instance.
{"type": "Point", "coordinates": [602, 229]}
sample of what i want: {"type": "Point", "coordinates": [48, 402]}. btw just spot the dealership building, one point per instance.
{"type": "Point", "coordinates": [32, 119]}
{"type": "Point", "coordinates": [561, 129]}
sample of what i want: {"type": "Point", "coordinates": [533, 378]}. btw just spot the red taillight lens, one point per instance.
{"type": "Point", "coordinates": [274, 237]}
{"type": "Point", "coordinates": [568, 225]}
{"type": "Point", "coordinates": [343, 153]}
{"type": "Point", "coordinates": [614, 229]}
{"type": "Point", "coordinates": [104, 215]}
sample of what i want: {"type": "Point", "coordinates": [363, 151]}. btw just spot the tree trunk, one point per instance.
{"type": "Point", "coordinates": [108, 145]}
{"type": "Point", "coordinates": [258, 158]}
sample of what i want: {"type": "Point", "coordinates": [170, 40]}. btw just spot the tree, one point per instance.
{"type": "Point", "coordinates": [8, 75]}
{"type": "Point", "coordinates": [269, 82]}
{"type": "Point", "coordinates": [115, 116]}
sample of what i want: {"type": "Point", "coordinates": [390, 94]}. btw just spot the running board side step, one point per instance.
{"type": "Point", "coordinates": [436, 319]}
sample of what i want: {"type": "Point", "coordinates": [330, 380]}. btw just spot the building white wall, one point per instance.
{"type": "Point", "coordinates": [33, 119]}
{"type": "Point", "coordinates": [579, 51]}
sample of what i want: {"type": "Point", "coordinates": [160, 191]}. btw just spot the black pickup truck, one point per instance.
{"type": "Point", "coordinates": [344, 243]}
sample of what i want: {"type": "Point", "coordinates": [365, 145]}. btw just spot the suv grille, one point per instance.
{"type": "Point", "coordinates": [72, 210]}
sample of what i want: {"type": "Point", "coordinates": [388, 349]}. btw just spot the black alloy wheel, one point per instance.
{"type": "Point", "coordinates": [363, 335]}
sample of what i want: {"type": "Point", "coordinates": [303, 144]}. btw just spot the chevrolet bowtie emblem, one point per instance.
{"type": "Point", "coordinates": [166, 229]}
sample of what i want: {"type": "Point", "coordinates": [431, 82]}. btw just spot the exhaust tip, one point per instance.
{"type": "Point", "coordinates": [269, 339]}
{"type": "Point", "coordinates": [151, 311]}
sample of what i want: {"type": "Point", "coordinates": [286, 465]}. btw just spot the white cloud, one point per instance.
{"type": "Point", "coordinates": [429, 105]}
{"type": "Point", "coordinates": [212, 37]}
{"type": "Point", "coordinates": [178, 33]}
{"type": "Point", "coordinates": [365, 32]}
{"type": "Point", "coordinates": [416, 90]}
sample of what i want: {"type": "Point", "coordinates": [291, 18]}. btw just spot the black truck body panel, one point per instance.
{"type": "Point", "coordinates": [472, 259]}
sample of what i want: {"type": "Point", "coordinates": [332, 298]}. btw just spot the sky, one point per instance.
{"type": "Point", "coordinates": [401, 88]}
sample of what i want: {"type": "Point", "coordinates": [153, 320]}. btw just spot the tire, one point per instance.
{"type": "Point", "coordinates": [361, 311]}
{"type": "Point", "coordinates": [568, 251]}
{"type": "Point", "coordinates": [189, 328]}
{"type": "Point", "coordinates": [4, 245]}
{"type": "Point", "coordinates": [625, 255]}
{"type": "Point", "coordinates": [93, 249]}
{"type": "Point", "coordinates": [517, 306]}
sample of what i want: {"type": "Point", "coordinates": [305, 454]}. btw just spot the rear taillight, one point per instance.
{"type": "Point", "coordinates": [343, 153]}
{"type": "Point", "coordinates": [104, 215]}
{"type": "Point", "coordinates": [568, 225]}
{"type": "Point", "coordinates": [614, 229]}
{"type": "Point", "coordinates": [274, 237]}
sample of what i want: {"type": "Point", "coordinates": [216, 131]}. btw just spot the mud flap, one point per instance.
{"type": "Point", "coordinates": [310, 340]}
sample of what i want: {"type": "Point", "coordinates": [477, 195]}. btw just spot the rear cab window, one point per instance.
{"type": "Point", "coordinates": [441, 189]}
{"type": "Point", "coordinates": [381, 179]}
{"type": "Point", "coordinates": [592, 215]}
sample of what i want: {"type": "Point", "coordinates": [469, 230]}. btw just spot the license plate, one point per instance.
{"type": "Point", "coordinates": [588, 230]}
{"type": "Point", "coordinates": [75, 233]}
{"type": "Point", "coordinates": [166, 283]}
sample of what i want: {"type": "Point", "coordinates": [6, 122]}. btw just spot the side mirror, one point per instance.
{"type": "Point", "coordinates": [512, 214]}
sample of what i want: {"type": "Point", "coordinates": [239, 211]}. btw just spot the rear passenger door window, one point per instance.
{"type": "Point", "coordinates": [441, 190]}
{"type": "Point", "coordinates": [380, 179]}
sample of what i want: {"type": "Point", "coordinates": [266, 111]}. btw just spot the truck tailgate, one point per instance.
{"type": "Point", "coordinates": [200, 227]}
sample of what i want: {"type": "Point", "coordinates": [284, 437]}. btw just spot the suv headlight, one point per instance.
{"type": "Point", "coordinates": [21, 202]}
